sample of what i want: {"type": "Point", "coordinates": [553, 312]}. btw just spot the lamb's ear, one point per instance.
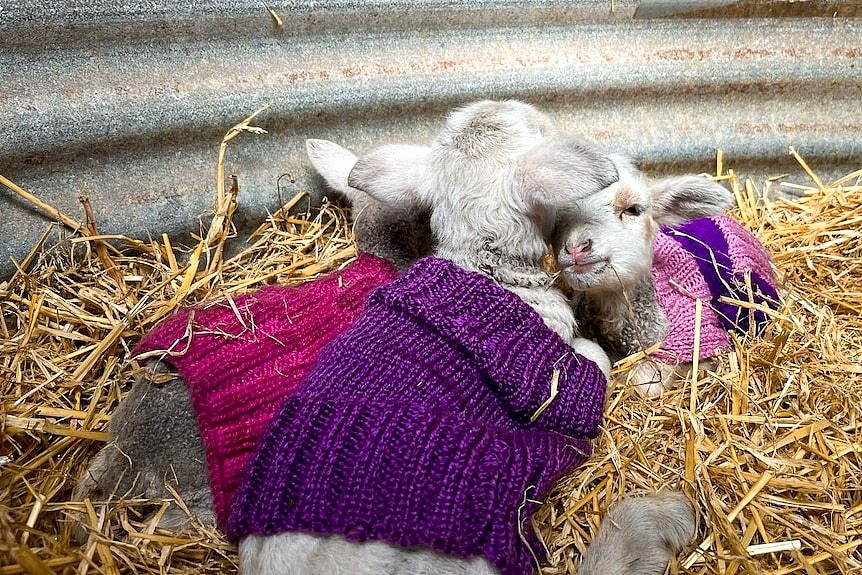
{"type": "Point", "coordinates": [682, 198]}
{"type": "Point", "coordinates": [331, 161]}
{"type": "Point", "coordinates": [564, 169]}
{"type": "Point", "coordinates": [393, 174]}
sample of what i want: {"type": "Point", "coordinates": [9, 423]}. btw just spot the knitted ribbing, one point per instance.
{"type": "Point", "coordinates": [709, 259]}
{"type": "Point", "coordinates": [746, 253]}
{"type": "Point", "coordinates": [413, 426]}
{"type": "Point", "coordinates": [242, 357]}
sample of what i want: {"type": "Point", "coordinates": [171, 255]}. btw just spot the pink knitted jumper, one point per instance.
{"type": "Point", "coordinates": [241, 359]}
{"type": "Point", "coordinates": [709, 259]}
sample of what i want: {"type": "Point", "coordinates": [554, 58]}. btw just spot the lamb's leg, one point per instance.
{"type": "Point", "coordinates": [153, 440]}
{"type": "Point", "coordinates": [652, 378]}
{"type": "Point", "coordinates": [593, 351]}
{"type": "Point", "coordinates": [294, 553]}
{"type": "Point", "coordinates": [640, 535]}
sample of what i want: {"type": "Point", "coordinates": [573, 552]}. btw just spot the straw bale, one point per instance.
{"type": "Point", "coordinates": [765, 440]}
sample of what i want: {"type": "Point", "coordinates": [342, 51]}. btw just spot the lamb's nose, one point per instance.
{"type": "Point", "coordinates": [580, 251]}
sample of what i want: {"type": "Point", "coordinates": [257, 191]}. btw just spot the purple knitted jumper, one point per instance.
{"type": "Point", "coordinates": [413, 426]}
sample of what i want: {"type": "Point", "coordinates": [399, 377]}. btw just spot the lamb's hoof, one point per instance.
{"type": "Point", "coordinates": [640, 535]}
{"type": "Point", "coordinates": [650, 378]}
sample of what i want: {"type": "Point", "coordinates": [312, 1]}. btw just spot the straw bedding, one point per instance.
{"type": "Point", "coordinates": [766, 440]}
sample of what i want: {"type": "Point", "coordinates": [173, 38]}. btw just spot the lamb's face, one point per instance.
{"type": "Point", "coordinates": [604, 242]}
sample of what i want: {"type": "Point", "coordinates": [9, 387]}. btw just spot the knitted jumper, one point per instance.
{"type": "Point", "coordinates": [707, 259]}
{"type": "Point", "coordinates": [413, 426]}
{"type": "Point", "coordinates": [241, 357]}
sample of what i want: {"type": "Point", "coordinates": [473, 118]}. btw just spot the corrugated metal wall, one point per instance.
{"type": "Point", "coordinates": [128, 102]}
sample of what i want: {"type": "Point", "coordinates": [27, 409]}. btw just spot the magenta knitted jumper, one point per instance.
{"type": "Point", "coordinates": [241, 357]}
{"type": "Point", "coordinates": [414, 425]}
{"type": "Point", "coordinates": [709, 259]}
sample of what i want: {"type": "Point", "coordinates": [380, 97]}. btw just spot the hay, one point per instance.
{"type": "Point", "coordinates": [766, 440]}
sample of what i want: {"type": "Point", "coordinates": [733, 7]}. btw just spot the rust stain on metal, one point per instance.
{"type": "Point", "coordinates": [844, 52]}
{"type": "Point", "coordinates": [678, 54]}
{"type": "Point", "coordinates": [443, 65]}
{"type": "Point", "coordinates": [307, 75]}
{"type": "Point", "coordinates": [748, 129]}
{"type": "Point", "coordinates": [744, 53]}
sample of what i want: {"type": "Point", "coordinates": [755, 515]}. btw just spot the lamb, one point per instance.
{"type": "Point", "coordinates": [136, 462]}
{"type": "Point", "coordinates": [640, 534]}
{"type": "Point", "coordinates": [486, 181]}
{"type": "Point", "coordinates": [549, 172]}
{"type": "Point", "coordinates": [639, 255]}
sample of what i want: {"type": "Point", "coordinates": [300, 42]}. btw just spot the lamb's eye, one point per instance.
{"type": "Point", "coordinates": [633, 210]}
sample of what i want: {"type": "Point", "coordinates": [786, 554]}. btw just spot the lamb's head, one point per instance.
{"type": "Point", "coordinates": [491, 133]}
{"type": "Point", "coordinates": [493, 180]}
{"type": "Point", "coordinates": [605, 242]}
{"type": "Point", "coordinates": [398, 236]}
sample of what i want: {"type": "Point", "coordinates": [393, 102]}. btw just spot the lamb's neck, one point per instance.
{"type": "Point", "coordinates": [508, 269]}
{"type": "Point", "coordinates": [627, 320]}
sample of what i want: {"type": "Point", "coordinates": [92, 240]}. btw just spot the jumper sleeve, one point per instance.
{"type": "Point", "coordinates": [543, 382]}
{"type": "Point", "coordinates": [510, 343]}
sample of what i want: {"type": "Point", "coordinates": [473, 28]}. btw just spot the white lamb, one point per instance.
{"type": "Point", "coordinates": [495, 182]}
{"type": "Point", "coordinates": [639, 255]}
